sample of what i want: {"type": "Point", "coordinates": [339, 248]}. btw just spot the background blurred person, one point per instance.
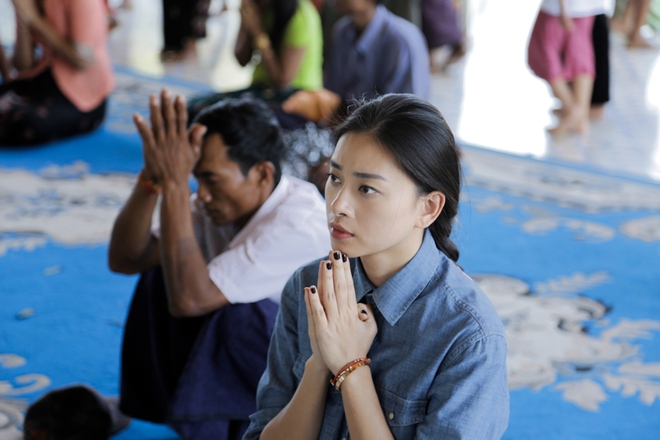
{"type": "Point", "coordinates": [63, 91]}
{"type": "Point", "coordinates": [631, 21]}
{"type": "Point", "coordinates": [184, 22]}
{"type": "Point", "coordinates": [287, 35]}
{"type": "Point", "coordinates": [561, 52]}
{"type": "Point", "coordinates": [374, 52]}
{"type": "Point", "coordinates": [441, 28]}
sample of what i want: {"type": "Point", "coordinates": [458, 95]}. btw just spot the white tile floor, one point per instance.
{"type": "Point", "coordinates": [490, 98]}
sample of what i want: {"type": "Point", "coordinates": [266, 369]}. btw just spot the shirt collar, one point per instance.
{"type": "Point", "coordinates": [368, 38]}
{"type": "Point", "coordinates": [272, 202]}
{"type": "Point", "coordinates": [397, 293]}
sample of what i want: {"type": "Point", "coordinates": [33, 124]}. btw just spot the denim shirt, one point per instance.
{"type": "Point", "coordinates": [438, 360]}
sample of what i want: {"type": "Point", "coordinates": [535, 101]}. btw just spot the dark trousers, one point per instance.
{"type": "Point", "coordinates": [182, 20]}
{"type": "Point", "coordinates": [601, 42]}
{"type": "Point", "coordinates": [34, 111]}
{"type": "Point", "coordinates": [198, 375]}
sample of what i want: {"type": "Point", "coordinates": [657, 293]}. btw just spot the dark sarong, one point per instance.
{"type": "Point", "coordinates": [198, 375]}
{"type": "Point", "coordinates": [440, 23]}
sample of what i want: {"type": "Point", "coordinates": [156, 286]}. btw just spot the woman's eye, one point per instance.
{"type": "Point", "coordinates": [333, 178]}
{"type": "Point", "coordinates": [367, 190]}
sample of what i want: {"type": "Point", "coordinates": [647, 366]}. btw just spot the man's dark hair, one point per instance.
{"type": "Point", "coordinates": [249, 129]}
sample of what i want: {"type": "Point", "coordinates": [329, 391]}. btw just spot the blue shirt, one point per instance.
{"type": "Point", "coordinates": [390, 56]}
{"type": "Point", "coordinates": [438, 361]}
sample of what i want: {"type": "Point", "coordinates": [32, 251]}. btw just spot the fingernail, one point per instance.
{"type": "Point", "coordinates": [313, 289]}
{"type": "Point", "coordinates": [344, 257]}
{"type": "Point", "coordinates": [328, 265]}
{"type": "Point", "coordinates": [364, 311]}
{"type": "Point", "coordinates": [336, 255]}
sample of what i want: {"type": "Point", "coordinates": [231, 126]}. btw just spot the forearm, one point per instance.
{"type": "Point", "coordinates": [23, 57]}
{"type": "Point", "coordinates": [364, 414]}
{"type": "Point", "coordinates": [190, 291]}
{"type": "Point", "coordinates": [77, 56]}
{"type": "Point", "coordinates": [132, 246]}
{"type": "Point", "coordinates": [303, 416]}
{"type": "Point", "coordinates": [243, 49]}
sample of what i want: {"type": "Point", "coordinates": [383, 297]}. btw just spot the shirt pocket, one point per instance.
{"type": "Point", "coordinates": [402, 415]}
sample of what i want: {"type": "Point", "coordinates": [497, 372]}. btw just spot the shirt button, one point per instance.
{"type": "Point", "coordinates": [390, 416]}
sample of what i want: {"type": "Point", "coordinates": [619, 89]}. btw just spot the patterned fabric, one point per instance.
{"type": "Point", "coordinates": [34, 111]}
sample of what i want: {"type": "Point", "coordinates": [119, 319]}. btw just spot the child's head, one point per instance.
{"type": "Point", "coordinates": [395, 172]}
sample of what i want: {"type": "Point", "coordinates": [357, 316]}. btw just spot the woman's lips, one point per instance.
{"type": "Point", "coordinates": [338, 232]}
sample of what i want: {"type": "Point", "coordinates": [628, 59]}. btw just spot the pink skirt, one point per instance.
{"type": "Point", "coordinates": [555, 53]}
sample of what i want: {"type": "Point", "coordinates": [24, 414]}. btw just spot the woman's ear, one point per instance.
{"type": "Point", "coordinates": [430, 208]}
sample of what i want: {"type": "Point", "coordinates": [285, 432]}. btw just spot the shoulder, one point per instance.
{"type": "Point", "coordinates": [402, 30]}
{"type": "Point", "coordinates": [467, 316]}
{"type": "Point", "coordinates": [305, 17]}
{"type": "Point", "coordinates": [300, 200]}
{"type": "Point", "coordinates": [305, 276]}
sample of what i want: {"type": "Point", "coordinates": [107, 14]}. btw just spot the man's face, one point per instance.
{"type": "Point", "coordinates": [228, 195]}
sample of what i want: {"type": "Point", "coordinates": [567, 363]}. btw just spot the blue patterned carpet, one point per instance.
{"type": "Point", "coordinates": [570, 257]}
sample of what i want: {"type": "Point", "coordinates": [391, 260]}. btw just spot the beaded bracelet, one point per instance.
{"type": "Point", "coordinates": [152, 186]}
{"type": "Point", "coordinates": [348, 369]}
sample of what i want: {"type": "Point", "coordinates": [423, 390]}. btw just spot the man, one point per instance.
{"type": "Point", "coordinates": [375, 52]}
{"type": "Point", "coordinates": [197, 333]}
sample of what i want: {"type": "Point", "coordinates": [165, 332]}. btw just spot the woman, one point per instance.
{"type": "Point", "coordinates": [287, 35]}
{"type": "Point", "coordinates": [64, 91]}
{"type": "Point", "coordinates": [390, 292]}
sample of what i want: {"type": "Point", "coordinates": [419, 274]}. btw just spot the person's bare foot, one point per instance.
{"type": "Point", "coordinates": [639, 42]}
{"type": "Point", "coordinates": [574, 120]}
{"type": "Point", "coordinates": [596, 112]}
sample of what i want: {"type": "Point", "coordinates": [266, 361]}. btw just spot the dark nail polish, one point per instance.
{"type": "Point", "coordinates": [335, 254]}
{"type": "Point", "coordinates": [328, 265]}
{"type": "Point", "coordinates": [364, 311]}
{"type": "Point", "coordinates": [313, 289]}
{"type": "Point", "coordinates": [344, 257]}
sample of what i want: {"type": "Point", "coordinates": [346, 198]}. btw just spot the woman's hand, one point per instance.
{"type": "Point", "coordinates": [251, 18]}
{"type": "Point", "coordinates": [26, 10]}
{"type": "Point", "coordinates": [343, 330]}
{"type": "Point", "coordinates": [170, 150]}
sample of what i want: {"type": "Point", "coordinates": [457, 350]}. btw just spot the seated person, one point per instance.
{"type": "Point", "coordinates": [63, 93]}
{"type": "Point", "coordinates": [287, 35]}
{"type": "Point", "coordinates": [375, 52]}
{"type": "Point", "coordinates": [411, 345]}
{"type": "Point", "coordinates": [199, 325]}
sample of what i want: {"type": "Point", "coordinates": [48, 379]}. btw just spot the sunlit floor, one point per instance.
{"type": "Point", "coordinates": [490, 98]}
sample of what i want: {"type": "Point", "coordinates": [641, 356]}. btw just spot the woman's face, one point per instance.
{"type": "Point", "coordinates": [373, 207]}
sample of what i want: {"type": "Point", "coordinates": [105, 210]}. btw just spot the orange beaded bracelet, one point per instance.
{"type": "Point", "coordinates": [348, 369]}
{"type": "Point", "coordinates": [150, 185]}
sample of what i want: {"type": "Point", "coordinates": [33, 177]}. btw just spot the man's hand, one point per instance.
{"type": "Point", "coordinates": [170, 150]}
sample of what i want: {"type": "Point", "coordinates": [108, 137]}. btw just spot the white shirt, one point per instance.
{"type": "Point", "coordinates": [255, 262]}
{"type": "Point", "coordinates": [578, 8]}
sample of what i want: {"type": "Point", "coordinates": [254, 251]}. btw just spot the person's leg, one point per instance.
{"type": "Point", "coordinates": [579, 68]}
{"type": "Point", "coordinates": [155, 349]}
{"type": "Point", "coordinates": [601, 44]}
{"type": "Point", "coordinates": [635, 38]}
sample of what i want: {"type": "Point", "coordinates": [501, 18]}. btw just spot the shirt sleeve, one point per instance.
{"type": "Point", "coordinates": [298, 29]}
{"type": "Point", "coordinates": [279, 382]}
{"type": "Point", "coordinates": [470, 397]}
{"type": "Point", "coordinates": [259, 266]}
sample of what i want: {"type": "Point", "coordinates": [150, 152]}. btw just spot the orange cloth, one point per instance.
{"type": "Point", "coordinates": [83, 22]}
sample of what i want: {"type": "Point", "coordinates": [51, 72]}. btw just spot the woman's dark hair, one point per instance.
{"type": "Point", "coordinates": [283, 11]}
{"type": "Point", "coordinates": [249, 129]}
{"type": "Point", "coordinates": [419, 139]}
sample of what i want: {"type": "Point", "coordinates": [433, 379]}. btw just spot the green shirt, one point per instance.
{"type": "Point", "coordinates": [302, 31]}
